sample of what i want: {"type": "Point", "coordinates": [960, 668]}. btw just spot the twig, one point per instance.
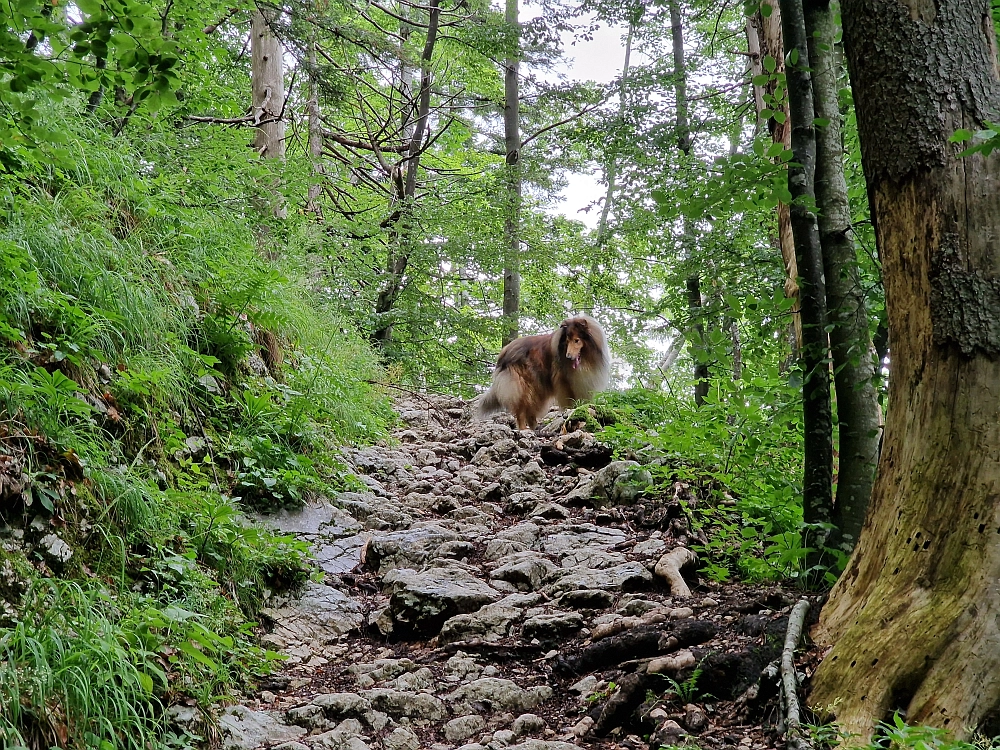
{"type": "Point", "coordinates": [789, 683]}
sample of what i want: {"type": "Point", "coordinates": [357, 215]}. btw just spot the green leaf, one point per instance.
{"type": "Point", "coordinates": [779, 117]}
{"type": "Point", "coordinates": [761, 80]}
{"type": "Point", "coordinates": [769, 64]}
{"type": "Point", "coordinates": [793, 57]}
{"type": "Point", "coordinates": [960, 136]}
{"type": "Point", "coordinates": [821, 122]}
{"type": "Point", "coordinates": [766, 9]}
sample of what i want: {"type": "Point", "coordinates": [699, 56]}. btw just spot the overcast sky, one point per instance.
{"type": "Point", "coordinates": [599, 59]}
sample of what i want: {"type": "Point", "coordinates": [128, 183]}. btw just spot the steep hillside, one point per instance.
{"type": "Point", "coordinates": [165, 366]}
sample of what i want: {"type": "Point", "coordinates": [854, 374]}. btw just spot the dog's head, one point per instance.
{"type": "Point", "coordinates": [575, 335]}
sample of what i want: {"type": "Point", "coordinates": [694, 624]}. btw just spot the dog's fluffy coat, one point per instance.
{"type": "Point", "coordinates": [570, 364]}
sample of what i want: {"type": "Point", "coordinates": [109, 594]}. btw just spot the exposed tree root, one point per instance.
{"type": "Point", "coordinates": [669, 567]}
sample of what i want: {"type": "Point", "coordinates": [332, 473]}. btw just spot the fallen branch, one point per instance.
{"type": "Point", "coordinates": [669, 567]}
{"type": "Point", "coordinates": [789, 683]}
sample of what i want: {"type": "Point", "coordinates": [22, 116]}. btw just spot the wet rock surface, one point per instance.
{"type": "Point", "coordinates": [484, 591]}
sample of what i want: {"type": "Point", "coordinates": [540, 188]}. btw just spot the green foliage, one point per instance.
{"type": "Point", "coordinates": [742, 449]}
{"type": "Point", "coordinates": [73, 667]}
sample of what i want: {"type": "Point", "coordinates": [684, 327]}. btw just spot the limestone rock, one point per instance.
{"type": "Point", "coordinates": [244, 729]}
{"type": "Point", "coordinates": [499, 694]}
{"type": "Point", "coordinates": [464, 727]}
{"type": "Point", "coordinates": [422, 601]}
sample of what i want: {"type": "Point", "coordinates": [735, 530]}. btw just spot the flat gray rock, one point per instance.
{"type": "Point", "coordinates": [409, 548]}
{"type": "Point", "coordinates": [630, 576]}
{"type": "Point", "coordinates": [499, 695]}
{"type": "Point", "coordinates": [422, 601]}
{"type": "Point", "coordinates": [526, 570]}
{"type": "Point", "coordinates": [398, 703]}
{"type": "Point", "coordinates": [321, 613]}
{"type": "Point", "coordinates": [245, 729]}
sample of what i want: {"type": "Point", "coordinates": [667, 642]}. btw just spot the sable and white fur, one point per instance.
{"type": "Point", "coordinates": [568, 365]}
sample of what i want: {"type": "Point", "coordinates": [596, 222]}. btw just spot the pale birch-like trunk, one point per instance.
{"type": "Point", "coordinates": [267, 80]}
{"type": "Point", "coordinates": [764, 40]}
{"type": "Point", "coordinates": [315, 136]}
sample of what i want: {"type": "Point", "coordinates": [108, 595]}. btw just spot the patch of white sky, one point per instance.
{"type": "Point", "coordinates": [599, 57]}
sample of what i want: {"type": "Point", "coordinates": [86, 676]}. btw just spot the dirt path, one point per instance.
{"type": "Point", "coordinates": [476, 597]}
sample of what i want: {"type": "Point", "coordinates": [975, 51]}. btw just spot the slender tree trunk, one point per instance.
{"type": "Point", "coordinates": [406, 184]}
{"type": "Point", "coordinates": [850, 338]}
{"type": "Point", "coordinates": [611, 177]}
{"type": "Point", "coordinates": [512, 215]}
{"type": "Point", "coordinates": [913, 620]}
{"type": "Point", "coordinates": [315, 136]}
{"type": "Point", "coordinates": [764, 40]}
{"type": "Point", "coordinates": [696, 332]}
{"type": "Point", "coordinates": [268, 96]}
{"type": "Point", "coordinates": [817, 497]}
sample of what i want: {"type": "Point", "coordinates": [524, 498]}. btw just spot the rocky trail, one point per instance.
{"type": "Point", "coordinates": [491, 588]}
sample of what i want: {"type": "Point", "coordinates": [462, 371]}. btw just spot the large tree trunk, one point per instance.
{"type": "Point", "coordinates": [913, 620]}
{"type": "Point", "coordinates": [268, 88]}
{"type": "Point", "coordinates": [817, 489]}
{"type": "Point", "coordinates": [850, 338]}
{"type": "Point", "coordinates": [696, 328]}
{"type": "Point", "coordinates": [764, 40]}
{"type": "Point", "coordinates": [512, 213]}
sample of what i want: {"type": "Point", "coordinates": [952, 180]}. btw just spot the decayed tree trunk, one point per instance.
{"type": "Point", "coordinates": [696, 334]}
{"type": "Point", "coordinates": [268, 96]}
{"type": "Point", "coordinates": [817, 485]}
{"type": "Point", "coordinates": [850, 339]}
{"type": "Point", "coordinates": [764, 40]}
{"type": "Point", "coordinates": [268, 88]}
{"type": "Point", "coordinates": [512, 213]}
{"type": "Point", "coordinates": [913, 620]}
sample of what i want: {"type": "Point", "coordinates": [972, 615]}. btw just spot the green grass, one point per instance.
{"type": "Point", "coordinates": [134, 304]}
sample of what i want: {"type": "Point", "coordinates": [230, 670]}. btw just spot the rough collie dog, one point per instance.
{"type": "Point", "coordinates": [570, 364]}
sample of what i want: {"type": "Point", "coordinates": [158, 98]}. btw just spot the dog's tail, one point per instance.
{"type": "Point", "coordinates": [486, 404]}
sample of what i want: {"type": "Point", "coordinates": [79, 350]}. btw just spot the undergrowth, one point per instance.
{"type": "Point", "coordinates": [167, 364]}
{"type": "Point", "coordinates": [741, 450]}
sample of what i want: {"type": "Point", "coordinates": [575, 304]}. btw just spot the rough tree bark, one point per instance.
{"type": "Point", "coordinates": [696, 333]}
{"type": "Point", "coordinates": [512, 213]}
{"type": "Point", "coordinates": [817, 486]}
{"type": "Point", "coordinates": [406, 184]}
{"type": "Point", "coordinates": [268, 92]}
{"type": "Point", "coordinates": [850, 338]}
{"type": "Point", "coordinates": [268, 88]}
{"type": "Point", "coordinates": [764, 40]}
{"type": "Point", "coordinates": [913, 620]}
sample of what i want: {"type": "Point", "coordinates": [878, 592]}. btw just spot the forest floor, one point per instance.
{"type": "Point", "coordinates": [483, 590]}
